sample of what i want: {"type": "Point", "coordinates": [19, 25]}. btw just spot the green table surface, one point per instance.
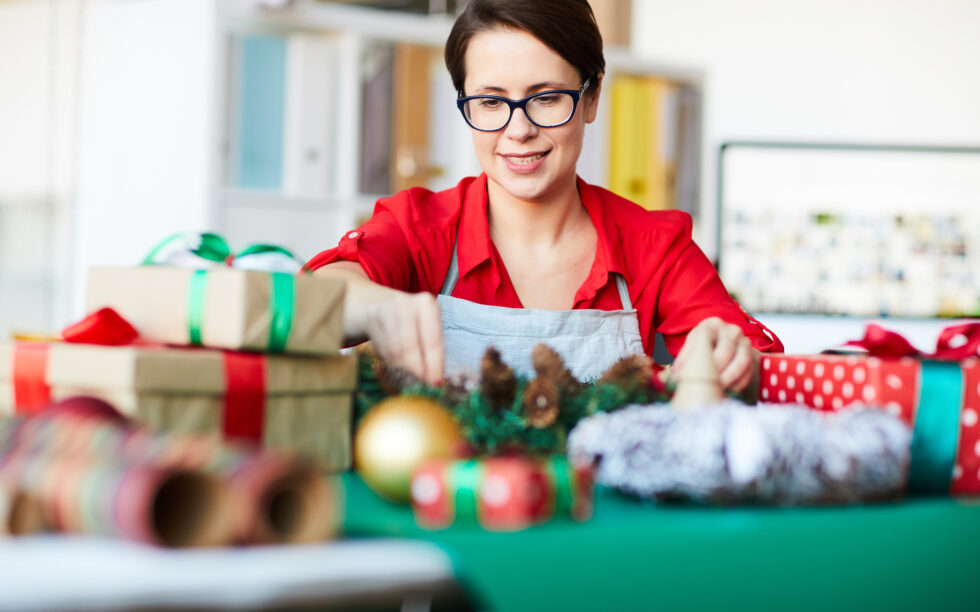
{"type": "Point", "coordinates": [917, 554]}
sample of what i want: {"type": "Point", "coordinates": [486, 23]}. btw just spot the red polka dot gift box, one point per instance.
{"type": "Point", "coordinates": [501, 493]}
{"type": "Point", "coordinates": [937, 395]}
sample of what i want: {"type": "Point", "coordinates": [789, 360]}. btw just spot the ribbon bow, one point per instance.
{"type": "Point", "coordinates": [955, 343]}
{"type": "Point", "coordinates": [206, 248]}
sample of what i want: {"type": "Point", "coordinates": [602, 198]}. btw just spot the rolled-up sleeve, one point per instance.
{"type": "Point", "coordinates": [379, 245]}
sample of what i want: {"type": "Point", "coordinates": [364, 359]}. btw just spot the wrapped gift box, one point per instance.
{"type": "Point", "coordinates": [300, 404]}
{"type": "Point", "coordinates": [501, 493]}
{"type": "Point", "coordinates": [940, 400]}
{"type": "Point", "coordinates": [224, 307]}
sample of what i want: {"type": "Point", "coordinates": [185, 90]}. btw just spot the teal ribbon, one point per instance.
{"type": "Point", "coordinates": [195, 306]}
{"type": "Point", "coordinates": [563, 480]}
{"type": "Point", "coordinates": [282, 297]}
{"type": "Point", "coordinates": [465, 477]}
{"type": "Point", "coordinates": [936, 429]}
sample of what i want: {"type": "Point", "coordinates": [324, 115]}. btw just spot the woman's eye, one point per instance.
{"type": "Point", "coordinates": [546, 99]}
{"type": "Point", "coordinates": [489, 104]}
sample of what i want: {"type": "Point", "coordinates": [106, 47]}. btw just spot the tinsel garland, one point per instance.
{"type": "Point", "coordinates": [491, 429]}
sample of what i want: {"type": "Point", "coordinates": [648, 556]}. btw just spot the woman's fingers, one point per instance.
{"type": "Point", "coordinates": [738, 373]}
{"type": "Point", "coordinates": [407, 333]}
{"type": "Point", "coordinates": [731, 352]}
{"type": "Point", "coordinates": [430, 338]}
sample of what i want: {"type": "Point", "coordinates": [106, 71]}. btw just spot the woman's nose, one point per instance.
{"type": "Point", "coordinates": [520, 127]}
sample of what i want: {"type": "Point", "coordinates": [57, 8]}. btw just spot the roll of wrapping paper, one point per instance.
{"type": "Point", "coordinates": [143, 502]}
{"type": "Point", "coordinates": [276, 497]}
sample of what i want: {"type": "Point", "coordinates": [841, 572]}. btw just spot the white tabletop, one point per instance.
{"type": "Point", "coordinates": [80, 573]}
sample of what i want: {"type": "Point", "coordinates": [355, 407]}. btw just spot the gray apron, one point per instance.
{"type": "Point", "coordinates": [589, 341]}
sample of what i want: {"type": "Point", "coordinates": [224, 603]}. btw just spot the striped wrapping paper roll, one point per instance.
{"type": "Point", "coordinates": [276, 498]}
{"type": "Point", "coordinates": [101, 496]}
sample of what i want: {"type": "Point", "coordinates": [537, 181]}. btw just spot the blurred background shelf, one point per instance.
{"type": "Point", "coordinates": [264, 121]}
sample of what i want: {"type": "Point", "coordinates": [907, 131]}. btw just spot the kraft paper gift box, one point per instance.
{"type": "Point", "coordinates": [501, 493]}
{"type": "Point", "coordinates": [224, 307]}
{"type": "Point", "coordinates": [939, 400]}
{"type": "Point", "coordinates": [300, 404]}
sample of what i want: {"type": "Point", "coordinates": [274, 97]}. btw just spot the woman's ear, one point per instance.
{"type": "Point", "coordinates": [591, 99]}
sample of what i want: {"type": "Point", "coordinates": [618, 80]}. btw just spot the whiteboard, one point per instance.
{"type": "Point", "coordinates": [850, 229]}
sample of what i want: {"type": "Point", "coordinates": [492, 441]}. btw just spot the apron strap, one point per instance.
{"type": "Point", "coordinates": [452, 276]}
{"type": "Point", "coordinates": [624, 292]}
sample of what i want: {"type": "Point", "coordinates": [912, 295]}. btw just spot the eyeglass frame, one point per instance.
{"type": "Point", "coordinates": [576, 95]}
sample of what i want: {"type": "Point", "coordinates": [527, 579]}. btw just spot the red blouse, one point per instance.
{"type": "Point", "coordinates": [407, 244]}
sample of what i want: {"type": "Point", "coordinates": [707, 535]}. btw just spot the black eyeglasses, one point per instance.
{"type": "Point", "coordinates": [544, 109]}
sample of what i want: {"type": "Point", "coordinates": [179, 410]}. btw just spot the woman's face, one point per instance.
{"type": "Point", "coordinates": [525, 161]}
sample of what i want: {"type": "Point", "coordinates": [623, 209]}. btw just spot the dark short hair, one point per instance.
{"type": "Point", "coordinates": [568, 27]}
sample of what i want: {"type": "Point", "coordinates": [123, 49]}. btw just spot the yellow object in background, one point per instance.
{"type": "Point", "coordinates": [641, 164]}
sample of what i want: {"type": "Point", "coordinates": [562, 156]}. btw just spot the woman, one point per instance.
{"type": "Point", "coordinates": [528, 252]}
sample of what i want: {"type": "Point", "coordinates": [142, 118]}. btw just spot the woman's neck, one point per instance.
{"type": "Point", "coordinates": [534, 223]}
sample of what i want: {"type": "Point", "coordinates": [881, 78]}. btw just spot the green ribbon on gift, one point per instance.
{"type": "Point", "coordinates": [282, 297]}
{"type": "Point", "coordinates": [282, 289]}
{"type": "Point", "coordinates": [464, 480]}
{"type": "Point", "coordinates": [195, 306]}
{"type": "Point", "coordinates": [562, 478]}
{"type": "Point", "coordinates": [936, 430]}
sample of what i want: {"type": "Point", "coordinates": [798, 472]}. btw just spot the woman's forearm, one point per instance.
{"type": "Point", "coordinates": [361, 292]}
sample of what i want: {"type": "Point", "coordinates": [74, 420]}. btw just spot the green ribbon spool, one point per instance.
{"type": "Point", "coordinates": [464, 481]}
{"type": "Point", "coordinates": [936, 430]}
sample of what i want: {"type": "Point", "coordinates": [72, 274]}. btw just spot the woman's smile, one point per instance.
{"type": "Point", "coordinates": [524, 163]}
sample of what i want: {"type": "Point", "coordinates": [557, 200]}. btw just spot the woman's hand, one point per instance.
{"type": "Point", "coordinates": [732, 353]}
{"type": "Point", "coordinates": [406, 331]}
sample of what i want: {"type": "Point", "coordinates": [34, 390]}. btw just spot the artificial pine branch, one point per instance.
{"type": "Point", "coordinates": [504, 427]}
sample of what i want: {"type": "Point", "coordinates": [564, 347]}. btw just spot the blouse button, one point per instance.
{"type": "Point", "coordinates": [352, 235]}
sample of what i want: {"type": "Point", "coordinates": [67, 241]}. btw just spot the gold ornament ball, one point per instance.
{"type": "Point", "coordinates": [396, 437]}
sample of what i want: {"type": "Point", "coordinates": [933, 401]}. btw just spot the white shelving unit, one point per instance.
{"type": "Point", "coordinates": [151, 99]}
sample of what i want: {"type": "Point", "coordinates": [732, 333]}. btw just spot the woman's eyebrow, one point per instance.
{"type": "Point", "coordinates": [543, 85]}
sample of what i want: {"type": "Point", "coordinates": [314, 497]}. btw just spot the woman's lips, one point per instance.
{"type": "Point", "coordinates": [524, 163]}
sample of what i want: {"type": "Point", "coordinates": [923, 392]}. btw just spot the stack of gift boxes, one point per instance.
{"type": "Point", "coordinates": [251, 355]}
{"type": "Point", "coordinates": [937, 396]}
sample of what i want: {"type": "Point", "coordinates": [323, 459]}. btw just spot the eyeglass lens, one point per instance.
{"type": "Point", "coordinates": [546, 110]}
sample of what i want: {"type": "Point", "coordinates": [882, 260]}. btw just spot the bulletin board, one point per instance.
{"type": "Point", "coordinates": [850, 229]}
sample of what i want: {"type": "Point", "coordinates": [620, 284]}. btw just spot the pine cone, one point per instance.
{"type": "Point", "coordinates": [540, 402]}
{"type": "Point", "coordinates": [549, 364]}
{"type": "Point", "coordinates": [393, 379]}
{"type": "Point", "coordinates": [633, 372]}
{"type": "Point", "coordinates": [497, 381]}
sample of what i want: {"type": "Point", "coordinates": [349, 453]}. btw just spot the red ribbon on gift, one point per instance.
{"type": "Point", "coordinates": [244, 406]}
{"type": "Point", "coordinates": [955, 343]}
{"type": "Point", "coordinates": [31, 391]}
{"type": "Point", "coordinates": [105, 326]}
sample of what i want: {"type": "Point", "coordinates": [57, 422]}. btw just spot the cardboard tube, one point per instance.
{"type": "Point", "coordinates": [20, 513]}
{"type": "Point", "coordinates": [282, 501]}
